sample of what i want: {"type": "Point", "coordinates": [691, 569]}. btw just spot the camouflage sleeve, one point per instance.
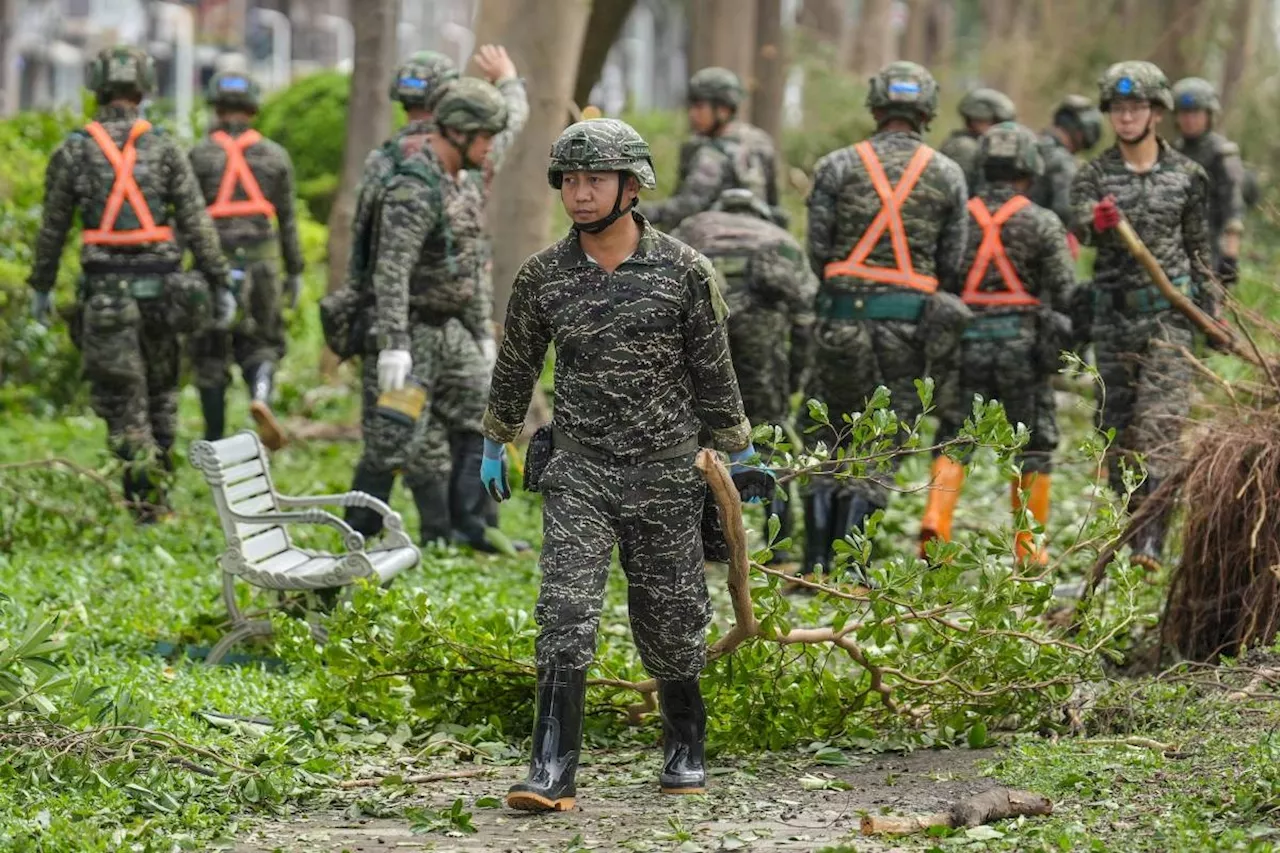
{"type": "Point", "coordinates": [59, 210]}
{"type": "Point", "coordinates": [513, 92]}
{"type": "Point", "coordinates": [410, 212]}
{"type": "Point", "coordinates": [363, 211]}
{"type": "Point", "coordinates": [1231, 186]}
{"type": "Point", "coordinates": [949, 256]}
{"type": "Point", "coordinates": [192, 219]}
{"type": "Point", "coordinates": [821, 206]}
{"type": "Point", "coordinates": [1060, 180]}
{"type": "Point", "coordinates": [1056, 273]}
{"type": "Point", "coordinates": [1085, 193]}
{"type": "Point", "coordinates": [287, 218]}
{"type": "Point", "coordinates": [805, 293]}
{"type": "Point", "coordinates": [520, 358]}
{"type": "Point", "coordinates": [1195, 236]}
{"type": "Point", "coordinates": [772, 194]}
{"type": "Point", "coordinates": [696, 192]}
{"type": "Point", "coordinates": [706, 347]}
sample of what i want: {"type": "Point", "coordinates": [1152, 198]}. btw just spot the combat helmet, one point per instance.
{"type": "Point", "coordinates": [1009, 148]}
{"type": "Point", "coordinates": [232, 90]}
{"type": "Point", "coordinates": [989, 105]}
{"type": "Point", "coordinates": [743, 200]}
{"type": "Point", "coordinates": [602, 145]}
{"type": "Point", "coordinates": [121, 71]}
{"type": "Point", "coordinates": [469, 105]}
{"type": "Point", "coordinates": [904, 90]}
{"type": "Point", "coordinates": [1135, 80]}
{"type": "Point", "coordinates": [1077, 113]}
{"type": "Point", "coordinates": [1196, 93]}
{"type": "Point", "coordinates": [716, 85]}
{"type": "Point", "coordinates": [419, 80]}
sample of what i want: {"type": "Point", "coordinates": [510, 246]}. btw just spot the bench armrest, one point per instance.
{"type": "Point", "coordinates": [352, 539]}
{"type": "Point", "coordinates": [391, 521]}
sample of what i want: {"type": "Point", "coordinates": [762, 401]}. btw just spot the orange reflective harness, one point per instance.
{"type": "Point", "coordinates": [125, 188]}
{"type": "Point", "coordinates": [888, 219]}
{"type": "Point", "coordinates": [238, 174]}
{"type": "Point", "coordinates": [991, 250]}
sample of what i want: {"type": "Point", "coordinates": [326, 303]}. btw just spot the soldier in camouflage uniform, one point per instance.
{"type": "Point", "coordinates": [1196, 109]}
{"type": "Point", "coordinates": [887, 228]}
{"type": "Point", "coordinates": [247, 181]}
{"type": "Point", "coordinates": [725, 153]}
{"type": "Point", "coordinates": [770, 291]}
{"type": "Point", "coordinates": [642, 366]}
{"type": "Point", "coordinates": [1019, 282]}
{"type": "Point", "coordinates": [1164, 195]}
{"type": "Point", "coordinates": [980, 109]}
{"type": "Point", "coordinates": [1077, 127]}
{"type": "Point", "coordinates": [140, 205]}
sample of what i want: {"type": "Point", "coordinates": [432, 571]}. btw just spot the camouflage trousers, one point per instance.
{"type": "Point", "coordinates": [1146, 386]}
{"type": "Point", "coordinates": [652, 512]}
{"type": "Point", "coordinates": [257, 338]}
{"type": "Point", "coordinates": [757, 342]}
{"type": "Point", "coordinates": [131, 359]}
{"type": "Point", "coordinates": [448, 362]}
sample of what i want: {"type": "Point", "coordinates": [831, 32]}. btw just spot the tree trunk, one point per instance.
{"type": "Point", "coordinates": [873, 42]}
{"type": "Point", "coordinates": [822, 20]}
{"type": "Point", "coordinates": [771, 68]}
{"type": "Point", "coordinates": [915, 43]}
{"type": "Point", "coordinates": [608, 17]}
{"type": "Point", "coordinates": [9, 78]}
{"type": "Point", "coordinates": [544, 38]}
{"type": "Point", "coordinates": [1240, 49]}
{"type": "Point", "coordinates": [723, 32]}
{"type": "Point", "coordinates": [1182, 42]}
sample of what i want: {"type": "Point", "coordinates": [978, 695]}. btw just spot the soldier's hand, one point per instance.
{"type": "Point", "coordinates": [41, 305]}
{"type": "Point", "coordinates": [224, 310]}
{"type": "Point", "coordinates": [489, 352]}
{"type": "Point", "coordinates": [1106, 214]}
{"type": "Point", "coordinates": [294, 285]}
{"type": "Point", "coordinates": [755, 483]}
{"type": "Point", "coordinates": [493, 470]}
{"type": "Point", "coordinates": [393, 369]}
{"type": "Point", "coordinates": [494, 63]}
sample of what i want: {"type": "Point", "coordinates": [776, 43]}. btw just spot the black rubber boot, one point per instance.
{"type": "Point", "coordinates": [786, 528]}
{"type": "Point", "coordinates": [378, 484]}
{"type": "Point", "coordinates": [819, 527]}
{"type": "Point", "coordinates": [213, 403]}
{"type": "Point", "coordinates": [432, 501]}
{"type": "Point", "coordinates": [471, 509]}
{"type": "Point", "coordinates": [684, 733]}
{"type": "Point", "coordinates": [557, 742]}
{"type": "Point", "coordinates": [1148, 545]}
{"type": "Point", "coordinates": [143, 495]}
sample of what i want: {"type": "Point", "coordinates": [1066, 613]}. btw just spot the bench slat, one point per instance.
{"type": "Point", "coordinates": [264, 545]}
{"type": "Point", "coordinates": [243, 471]}
{"type": "Point", "coordinates": [236, 449]}
{"type": "Point", "coordinates": [247, 489]}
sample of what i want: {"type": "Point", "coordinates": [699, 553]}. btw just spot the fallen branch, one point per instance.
{"type": "Point", "coordinates": [419, 779]}
{"type": "Point", "coordinates": [1132, 740]}
{"type": "Point", "coordinates": [987, 807]}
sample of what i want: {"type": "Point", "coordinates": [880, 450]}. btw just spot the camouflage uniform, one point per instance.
{"type": "Point", "coordinates": [1220, 159]}
{"type": "Point", "coordinates": [130, 350]}
{"type": "Point", "coordinates": [987, 106]}
{"type": "Point", "coordinates": [870, 333]}
{"type": "Point", "coordinates": [1075, 118]}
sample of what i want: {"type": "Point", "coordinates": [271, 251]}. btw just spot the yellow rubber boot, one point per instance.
{"type": "Point", "coordinates": [946, 480]}
{"type": "Point", "coordinates": [1036, 487]}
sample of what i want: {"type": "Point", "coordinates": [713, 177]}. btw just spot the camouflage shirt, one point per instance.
{"type": "Point", "coordinates": [642, 356]}
{"type": "Point", "coordinates": [843, 203]}
{"type": "Point", "coordinates": [742, 156]}
{"type": "Point", "coordinates": [1053, 188]}
{"type": "Point", "coordinates": [79, 177]}
{"type": "Point", "coordinates": [962, 147]}
{"type": "Point", "coordinates": [1166, 206]}
{"type": "Point", "coordinates": [1035, 242]}
{"type": "Point", "coordinates": [1220, 159]}
{"type": "Point", "coordinates": [273, 170]}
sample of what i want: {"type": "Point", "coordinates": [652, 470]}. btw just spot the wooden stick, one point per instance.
{"type": "Point", "coordinates": [987, 807]}
{"type": "Point", "coordinates": [419, 779]}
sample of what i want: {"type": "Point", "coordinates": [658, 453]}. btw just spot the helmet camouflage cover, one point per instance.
{"type": "Point", "coordinates": [1195, 93]}
{"type": "Point", "coordinates": [1076, 112]}
{"type": "Point", "coordinates": [420, 79]}
{"type": "Point", "coordinates": [1135, 80]}
{"type": "Point", "coordinates": [715, 85]}
{"type": "Point", "coordinates": [121, 70]}
{"type": "Point", "coordinates": [470, 105]}
{"type": "Point", "coordinates": [1013, 147]}
{"type": "Point", "coordinates": [988, 105]}
{"type": "Point", "coordinates": [742, 200]}
{"type": "Point", "coordinates": [601, 145]}
{"type": "Point", "coordinates": [234, 90]}
{"type": "Point", "coordinates": [906, 90]}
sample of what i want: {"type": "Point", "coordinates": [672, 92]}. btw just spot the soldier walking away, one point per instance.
{"type": "Point", "coordinates": [247, 181]}
{"type": "Point", "coordinates": [642, 366]}
{"type": "Point", "coordinates": [770, 290]}
{"type": "Point", "coordinates": [1196, 110]}
{"type": "Point", "coordinates": [887, 226]}
{"type": "Point", "coordinates": [1136, 331]}
{"type": "Point", "coordinates": [979, 109]}
{"type": "Point", "coordinates": [1018, 285]}
{"type": "Point", "coordinates": [140, 204]}
{"type": "Point", "coordinates": [725, 153]}
{"type": "Point", "coordinates": [1077, 127]}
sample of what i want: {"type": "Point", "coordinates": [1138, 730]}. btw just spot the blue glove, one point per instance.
{"type": "Point", "coordinates": [493, 470]}
{"type": "Point", "coordinates": [755, 483]}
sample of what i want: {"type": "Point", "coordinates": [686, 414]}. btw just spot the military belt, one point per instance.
{"type": "Point", "coordinates": [871, 306]}
{"type": "Point", "coordinates": [998, 327]}
{"type": "Point", "coordinates": [1144, 300]}
{"type": "Point", "coordinates": [244, 252]}
{"type": "Point", "coordinates": [122, 268]}
{"type": "Point", "coordinates": [561, 441]}
{"type": "Point", "coordinates": [140, 287]}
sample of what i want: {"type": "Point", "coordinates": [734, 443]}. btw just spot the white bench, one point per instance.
{"type": "Point", "coordinates": [254, 519]}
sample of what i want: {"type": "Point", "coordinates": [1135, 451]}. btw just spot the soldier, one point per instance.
{"type": "Point", "coordinates": [642, 365]}
{"type": "Point", "coordinates": [980, 109]}
{"type": "Point", "coordinates": [887, 225]}
{"type": "Point", "coordinates": [1077, 127]}
{"type": "Point", "coordinates": [1196, 109]}
{"type": "Point", "coordinates": [770, 291]}
{"type": "Point", "coordinates": [247, 181]}
{"type": "Point", "coordinates": [140, 204]}
{"type": "Point", "coordinates": [725, 153]}
{"type": "Point", "coordinates": [1164, 195]}
{"type": "Point", "coordinates": [1019, 282]}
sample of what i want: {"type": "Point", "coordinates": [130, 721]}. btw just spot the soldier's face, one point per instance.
{"type": "Point", "coordinates": [702, 117]}
{"type": "Point", "coordinates": [978, 126]}
{"type": "Point", "coordinates": [1192, 123]}
{"type": "Point", "coordinates": [479, 148]}
{"type": "Point", "coordinates": [588, 196]}
{"type": "Point", "coordinates": [1131, 119]}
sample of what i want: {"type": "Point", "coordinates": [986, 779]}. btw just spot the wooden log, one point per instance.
{"type": "Point", "coordinates": [986, 807]}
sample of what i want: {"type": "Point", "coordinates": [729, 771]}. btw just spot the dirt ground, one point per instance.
{"type": "Point", "coordinates": [779, 803]}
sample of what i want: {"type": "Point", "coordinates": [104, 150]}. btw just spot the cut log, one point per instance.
{"type": "Point", "coordinates": [986, 807]}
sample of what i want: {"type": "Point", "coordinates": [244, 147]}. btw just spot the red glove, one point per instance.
{"type": "Point", "coordinates": [1105, 214]}
{"type": "Point", "coordinates": [1073, 246]}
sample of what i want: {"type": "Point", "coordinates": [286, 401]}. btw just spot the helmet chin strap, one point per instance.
{"type": "Point", "coordinates": [614, 215]}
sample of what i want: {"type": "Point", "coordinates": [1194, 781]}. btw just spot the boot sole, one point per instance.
{"type": "Point", "coordinates": [695, 790]}
{"type": "Point", "coordinates": [527, 801]}
{"type": "Point", "coordinates": [269, 429]}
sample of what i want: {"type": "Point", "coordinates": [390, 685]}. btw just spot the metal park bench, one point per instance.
{"type": "Point", "coordinates": [255, 518]}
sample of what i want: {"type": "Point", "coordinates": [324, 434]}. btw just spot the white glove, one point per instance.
{"type": "Point", "coordinates": [224, 311]}
{"type": "Point", "coordinates": [489, 352]}
{"type": "Point", "coordinates": [393, 369]}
